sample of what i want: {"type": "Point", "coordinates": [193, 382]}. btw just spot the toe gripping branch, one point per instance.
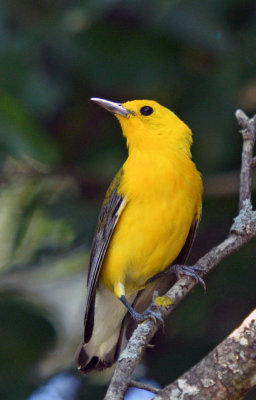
{"type": "Point", "coordinates": [178, 270]}
{"type": "Point", "coordinates": [140, 317]}
{"type": "Point", "coordinates": [188, 270]}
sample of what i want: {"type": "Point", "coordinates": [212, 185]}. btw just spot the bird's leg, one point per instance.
{"type": "Point", "coordinates": [178, 270]}
{"type": "Point", "coordinates": [138, 317]}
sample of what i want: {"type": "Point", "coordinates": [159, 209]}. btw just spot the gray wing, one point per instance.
{"type": "Point", "coordinates": [109, 214]}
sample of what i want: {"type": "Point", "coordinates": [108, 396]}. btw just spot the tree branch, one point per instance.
{"type": "Point", "coordinates": [144, 386]}
{"type": "Point", "coordinates": [227, 372]}
{"type": "Point", "coordinates": [243, 230]}
{"type": "Point", "coordinates": [248, 134]}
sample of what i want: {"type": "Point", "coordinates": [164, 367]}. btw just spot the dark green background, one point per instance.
{"type": "Point", "coordinates": [58, 152]}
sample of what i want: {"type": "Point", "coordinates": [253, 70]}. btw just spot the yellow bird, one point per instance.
{"type": "Point", "coordinates": [147, 223]}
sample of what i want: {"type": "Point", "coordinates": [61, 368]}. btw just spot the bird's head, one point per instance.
{"type": "Point", "coordinates": [148, 125]}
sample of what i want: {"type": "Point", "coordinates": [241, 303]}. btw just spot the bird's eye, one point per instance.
{"type": "Point", "coordinates": [146, 110]}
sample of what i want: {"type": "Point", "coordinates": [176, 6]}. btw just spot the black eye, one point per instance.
{"type": "Point", "coordinates": [146, 110]}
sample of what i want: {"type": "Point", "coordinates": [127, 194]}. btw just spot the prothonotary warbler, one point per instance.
{"type": "Point", "coordinates": [147, 224]}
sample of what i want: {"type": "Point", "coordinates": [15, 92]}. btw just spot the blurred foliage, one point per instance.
{"type": "Point", "coordinates": [58, 152]}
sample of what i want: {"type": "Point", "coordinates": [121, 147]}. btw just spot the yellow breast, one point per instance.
{"type": "Point", "coordinates": [163, 198]}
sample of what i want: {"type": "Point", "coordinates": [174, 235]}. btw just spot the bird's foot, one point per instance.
{"type": "Point", "coordinates": [188, 270]}
{"type": "Point", "coordinates": [149, 313]}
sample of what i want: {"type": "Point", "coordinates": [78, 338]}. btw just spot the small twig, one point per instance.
{"type": "Point", "coordinates": [243, 230]}
{"type": "Point", "coordinates": [145, 386]}
{"type": "Point", "coordinates": [249, 135]}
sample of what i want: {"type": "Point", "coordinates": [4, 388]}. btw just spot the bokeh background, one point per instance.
{"type": "Point", "coordinates": [58, 153]}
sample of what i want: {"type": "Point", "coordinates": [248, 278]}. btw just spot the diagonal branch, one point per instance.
{"type": "Point", "coordinates": [135, 348]}
{"type": "Point", "coordinates": [227, 372]}
{"type": "Point", "coordinates": [243, 230]}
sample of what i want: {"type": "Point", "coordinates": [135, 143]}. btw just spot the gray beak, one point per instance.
{"type": "Point", "coordinates": [115, 108]}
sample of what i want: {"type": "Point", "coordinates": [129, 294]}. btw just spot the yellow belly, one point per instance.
{"type": "Point", "coordinates": [153, 227]}
{"type": "Point", "coordinates": [146, 240]}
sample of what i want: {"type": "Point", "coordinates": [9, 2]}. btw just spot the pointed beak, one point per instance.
{"type": "Point", "coordinates": [115, 108]}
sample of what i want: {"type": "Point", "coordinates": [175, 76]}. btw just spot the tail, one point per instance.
{"type": "Point", "coordinates": [103, 347]}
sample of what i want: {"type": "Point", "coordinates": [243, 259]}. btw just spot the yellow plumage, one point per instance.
{"type": "Point", "coordinates": [163, 191]}
{"type": "Point", "coordinates": [160, 191]}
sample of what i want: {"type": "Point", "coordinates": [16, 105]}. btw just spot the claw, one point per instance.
{"type": "Point", "coordinates": [147, 314]}
{"type": "Point", "coordinates": [189, 271]}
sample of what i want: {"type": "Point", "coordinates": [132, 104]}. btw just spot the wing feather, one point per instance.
{"type": "Point", "coordinates": [111, 209]}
